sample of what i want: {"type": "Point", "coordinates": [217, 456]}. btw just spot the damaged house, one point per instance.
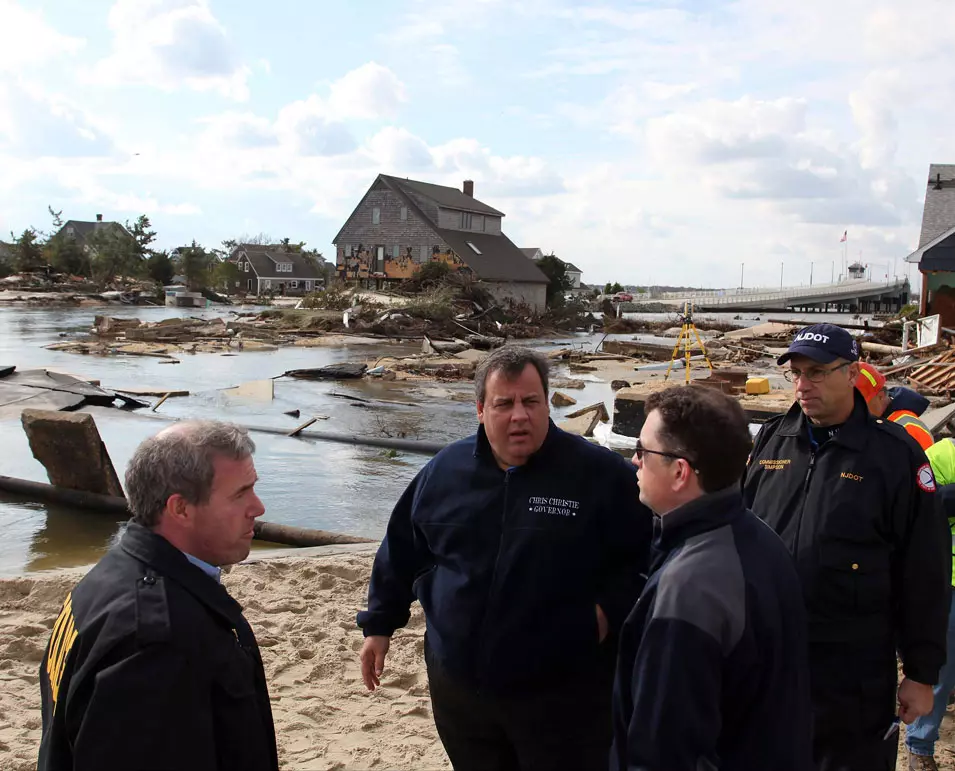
{"type": "Point", "coordinates": [273, 268]}
{"type": "Point", "coordinates": [401, 224]}
{"type": "Point", "coordinates": [935, 255]}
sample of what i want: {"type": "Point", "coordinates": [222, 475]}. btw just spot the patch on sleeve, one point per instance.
{"type": "Point", "coordinates": [926, 478]}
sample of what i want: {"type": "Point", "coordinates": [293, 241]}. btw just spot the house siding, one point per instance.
{"type": "Point", "coordinates": [480, 223]}
{"type": "Point", "coordinates": [534, 295]}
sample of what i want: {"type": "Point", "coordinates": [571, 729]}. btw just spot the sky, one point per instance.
{"type": "Point", "coordinates": [679, 142]}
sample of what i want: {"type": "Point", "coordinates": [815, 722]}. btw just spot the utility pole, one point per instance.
{"type": "Point", "coordinates": [741, 266]}
{"type": "Point", "coordinates": [781, 274]}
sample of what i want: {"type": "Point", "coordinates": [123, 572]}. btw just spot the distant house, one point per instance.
{"type": "Point", "coordinates": [401, 224]}
{"type": "Point", "coordinates": [81, 231]}
{"type": "Point", "coordinates": [570, 270]}
{"type": "Point", "coordinates": [273, 268]}
{"type": "Point", "coordinates": [935, 255]}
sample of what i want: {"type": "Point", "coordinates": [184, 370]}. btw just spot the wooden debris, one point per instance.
{"type": "Point", "coordinates": [599, 407]}
{"type": "Point", "coordinates": [562, 400]}
{"type": "Point", "coordinates": [935, 376]}
{"type": "Point", "coordinates": [343, 371]}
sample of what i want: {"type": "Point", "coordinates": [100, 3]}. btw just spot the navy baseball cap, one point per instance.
{"type": "Point", "coordinates": [823, 343]}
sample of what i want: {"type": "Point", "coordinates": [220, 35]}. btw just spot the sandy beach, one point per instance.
{"type": "Point", "coordinates": [303, 612]}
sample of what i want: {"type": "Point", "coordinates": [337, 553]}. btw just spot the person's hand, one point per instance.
{"type": "Point", "coordinates": [373, 653]}
{"type": "Point", "coordinates": [915, 700]}
{"type": "Point", "coordinates": [603, 626]}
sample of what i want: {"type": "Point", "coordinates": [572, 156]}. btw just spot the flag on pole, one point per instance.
{"type": "Point", "coordinates": [845, 236]}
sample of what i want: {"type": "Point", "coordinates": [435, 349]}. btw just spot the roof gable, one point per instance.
{"type": "Point", "coordinates": [938, 215]}
{"type": "Point", "coordinates": [264, 260]}
{"type": "Point", "coordinates": [447, 197]}
{"type": "Point", "coordinates": [492, 257]}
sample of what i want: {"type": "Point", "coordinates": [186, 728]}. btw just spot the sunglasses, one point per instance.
{"type": "Point", "coordinates": [641, 450]}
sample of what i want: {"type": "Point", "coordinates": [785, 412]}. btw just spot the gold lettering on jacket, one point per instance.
{"type": "Point", "coordinates": [850, 475]}
{"type": "Point", "coordinates": [774, 464]}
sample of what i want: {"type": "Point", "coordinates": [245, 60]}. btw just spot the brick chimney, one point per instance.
{"type": "Point", "coordinates": [99, 217]}
{"type": "Point", "coordinates": [469, 188]}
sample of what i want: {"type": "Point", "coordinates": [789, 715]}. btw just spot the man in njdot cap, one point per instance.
{"type": "Point", "coordinates": [852, 496]}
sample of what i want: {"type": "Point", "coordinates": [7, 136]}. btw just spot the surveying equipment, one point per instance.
{"type": "Point", "coordinates": [686, 320]}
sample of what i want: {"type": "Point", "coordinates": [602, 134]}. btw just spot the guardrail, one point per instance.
{"type": "Point", "coordinates": [736, 296]}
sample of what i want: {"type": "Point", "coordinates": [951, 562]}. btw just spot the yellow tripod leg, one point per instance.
{"type": "Point", "coordinates": [673, 356]}
{"type": "Point", "coordinates": [685, 336]}
{"type": "Point", "coordinates": [702, 348]}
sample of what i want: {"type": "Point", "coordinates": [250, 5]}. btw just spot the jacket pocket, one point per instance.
{"type": "Point", "coordinates": [854, 578]}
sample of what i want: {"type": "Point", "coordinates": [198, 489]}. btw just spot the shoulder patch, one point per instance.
{"type": "Point", "coordinates": [926, 478]}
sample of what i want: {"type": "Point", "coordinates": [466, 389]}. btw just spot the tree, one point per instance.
{"type": "Point", "coordinates": [557, 282]}
{"type": "Point", "coordinates": [226, 275]}
{"type": "Point", "coordinates": [113, 252]}
{"type": "Point", "coordinates": [27, 252]}
{"type": "Point", "coordinates": [142, 235]}
{"type": "Point", "coordinates": [613, 288]}
{"type": "Point", "coordinates": [62, 252]}
{"type": "Point", "coordinates": [160, 268]}
{"type": "Point", "coordinates": [196, 265]}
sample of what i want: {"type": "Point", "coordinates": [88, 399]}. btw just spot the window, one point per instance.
{"type": "Point", "coordinates": [465, 220]}
{"type": "Point", "coordinates": [308, 286]}
{"type": "Point", "coordinates": [267, 284]}
{"type": "Point", "coordinates": [293, 284]}
{"type": "Point", "coordinates": [376, 216]}
{"type": "Point", "coordinates": [348, 248]}
{"type": "Point", "coordinates": [70, 231]}
{"type": "Point", "coordinates": [424, 254]}
{"type": "Point", "coordinates": [395, 251]}
{"type": "Point", "coordinates": [474, 248]}
{"type": "Point", "coordinates": [245, 267]}
{"type": "Point", "coordinates": [404, 213]}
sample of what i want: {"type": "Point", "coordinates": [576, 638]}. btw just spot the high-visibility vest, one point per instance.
{"type": "Point", "coordinates": [910, 422]}
{"type": "Point", "coordinates": [941, 456]}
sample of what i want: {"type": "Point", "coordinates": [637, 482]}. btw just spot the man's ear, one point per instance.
{"type": "Point", "coordinates": [176, 510]}
{"type": "Point", "coordinates": [480, 412]}
{"type": "Point", "coordinates": [853, 370]}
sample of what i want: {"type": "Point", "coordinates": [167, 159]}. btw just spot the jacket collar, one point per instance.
{"type": "Point", "coordinates": [160, 555]}
{"type": "Point", "coordinates": [852, 434]}
{"type": "Point", "coordinates": [701, 515]}
{"type": "Point", "coordinates": [482, 446]}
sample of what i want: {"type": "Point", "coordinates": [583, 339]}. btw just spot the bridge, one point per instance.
{"type": "Point", "coordinates": [852, 296]}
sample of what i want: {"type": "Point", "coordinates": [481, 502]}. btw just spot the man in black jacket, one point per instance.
{"type": "Point", "coordinates": [853, 497]}
{"type": "Point", "coordinates": [525, 546]}
{"type": "Point", "coordinates": [713, 669]}
{"type": "Point", "coordinates": [151, 665]}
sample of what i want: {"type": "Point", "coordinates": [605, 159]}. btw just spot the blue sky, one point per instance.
{"type": "Point", "coordinates": [658, 141]}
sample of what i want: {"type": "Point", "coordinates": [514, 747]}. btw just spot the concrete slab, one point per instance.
{"type": "Point", "coordinates": [938, 418]}
{"type": "Point", "coordinates": [257, 390]}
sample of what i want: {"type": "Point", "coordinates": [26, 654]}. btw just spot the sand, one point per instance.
{"type": "Point", "coordinates": [303, 612]}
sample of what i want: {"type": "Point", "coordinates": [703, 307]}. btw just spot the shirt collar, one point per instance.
{"type": "Point", "coordinates": [210, 570]}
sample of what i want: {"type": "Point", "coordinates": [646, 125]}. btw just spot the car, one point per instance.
{"type": "Point", "coordinates": [623, 297]}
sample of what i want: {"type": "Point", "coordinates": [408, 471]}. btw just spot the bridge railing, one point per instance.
{"type": "Point", "coordinates": [733, 297]}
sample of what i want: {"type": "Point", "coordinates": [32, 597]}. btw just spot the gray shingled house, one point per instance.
{"type": "Point", "coordinates": [273, 268]}
{"type": "Point", "coordinates": [935, 255]}
{"type": "Point", "coordinates": [401, 224]}
{"type": "Point", "coordinates": [81, 230]}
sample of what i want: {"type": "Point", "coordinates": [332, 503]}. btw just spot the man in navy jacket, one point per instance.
{"type": "Point", "coordinates": [527, 548]}
{"type": "Point", "coordinates": [713, 670]}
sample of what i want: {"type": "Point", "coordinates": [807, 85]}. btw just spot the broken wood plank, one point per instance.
{"type": "Point", "coordinates": [306, 424]}
{"type": "Point", "coordinates": [149, 391]}
{"type": "Point", "coordinates": [159, 404]}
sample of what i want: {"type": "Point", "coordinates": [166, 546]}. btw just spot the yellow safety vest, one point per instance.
{"type": "Point", "coordinates": [942, 457]}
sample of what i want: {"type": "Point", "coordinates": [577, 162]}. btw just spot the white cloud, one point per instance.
{"type": "Point", "coordinates": [172, 44]}
{"type": "Point", "coordinates": [397, 150]}
{"type": "Point", "coordinates": [26, 39]}
{"type": "Point", "coordinates": [370, 91]}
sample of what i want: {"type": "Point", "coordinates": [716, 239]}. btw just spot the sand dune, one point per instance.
{"type": "Point", "coordinates": [303, 612]}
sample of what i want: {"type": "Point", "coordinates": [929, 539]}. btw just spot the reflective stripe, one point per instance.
{"type": "Point", "coordinates": [916, 428]}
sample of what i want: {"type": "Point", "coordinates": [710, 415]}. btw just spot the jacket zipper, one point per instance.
{"type": "Point", "coordinates": [491, 590]}
{"type": "Point", "coordinates": [805, 495]}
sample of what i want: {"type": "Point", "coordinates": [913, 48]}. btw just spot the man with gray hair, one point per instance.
{"type": "Point", "coordinates": [151, 663]}
{"type": "Point", "coordinates": [525, 546]}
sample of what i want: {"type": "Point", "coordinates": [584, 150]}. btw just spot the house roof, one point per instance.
{"type": "Point", "coordinates": [448, 197]}
{"type": "Point", "coordinates": [83, 230]}
{"type": "Point", "coordinates": [499, 258]}
{"type": "Point", "coordinates": [572, 268]}
{"type": "Point", "coordinates": [530, 251]}
{"type": "Point", "coordinates": [264, 259]}
{"type": "Point", "coordinates": [939, 212]}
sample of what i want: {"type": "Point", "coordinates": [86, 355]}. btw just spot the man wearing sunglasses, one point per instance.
{"type": "Point", "coordinates": [852, 496]}
{"type": "Point", "coordinates": [712, 671]}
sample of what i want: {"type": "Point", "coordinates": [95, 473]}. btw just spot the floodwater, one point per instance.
{"type": "Point", "coordinates": [302, 481]}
